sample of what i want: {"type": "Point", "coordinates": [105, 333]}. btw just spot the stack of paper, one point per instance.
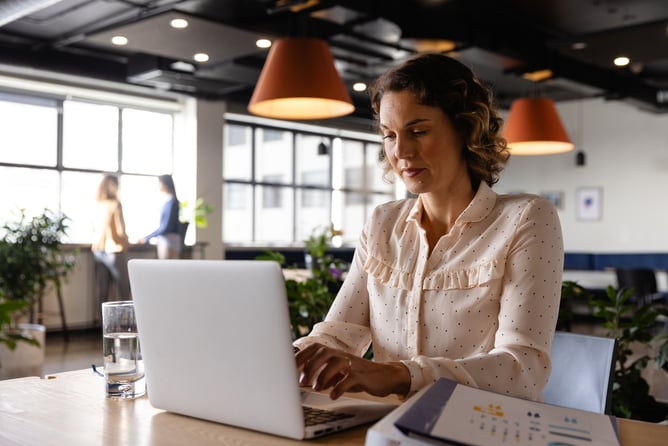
{"type": "Point", "coordinates": [451, 413]}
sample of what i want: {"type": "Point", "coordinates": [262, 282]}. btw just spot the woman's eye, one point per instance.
{"type": "Point", "coordinates": [419, 132]}
{"type": "Point", "coordinates": [387, 137]}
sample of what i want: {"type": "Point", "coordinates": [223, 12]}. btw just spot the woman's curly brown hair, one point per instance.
{"type": "Point", "coordinates": [441, 81]}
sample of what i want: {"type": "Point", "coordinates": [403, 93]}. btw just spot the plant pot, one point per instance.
{"type": "Point", "coordinates": [26, 359]}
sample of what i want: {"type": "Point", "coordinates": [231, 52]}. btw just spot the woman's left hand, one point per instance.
{"type": "Point", "coordinates": [324, 368]}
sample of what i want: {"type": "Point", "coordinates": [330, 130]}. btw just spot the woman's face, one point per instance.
{"type": "Point", "coordinates": [421, 144]}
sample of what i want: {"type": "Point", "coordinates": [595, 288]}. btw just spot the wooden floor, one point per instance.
{"type": "Point", "coordinates": [83, 349]}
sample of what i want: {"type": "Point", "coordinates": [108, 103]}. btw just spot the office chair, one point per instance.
{"type": "Point", "coordinates": [582, 372]}
{"type": "Point", "coordinates": [183, 229]}
{"type": "Point", "coordinates": [642, 281]}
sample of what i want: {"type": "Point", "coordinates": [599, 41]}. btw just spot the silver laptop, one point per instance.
{"type": "Point", "coordinates": [216, 343]}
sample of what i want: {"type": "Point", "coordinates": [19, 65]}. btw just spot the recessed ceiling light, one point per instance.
{"type": "Point", "coordinates": [621, 61]}
{"type": "Point", "coordinates": [179, 23]}
{"type": "Point", "coordinates": [201, 57]}
{"type": "Point", "coordinates": [359, 86]}
{"type": "Point", "coordinates": [579, 45]}
{"type": "Point", "coordinates": [119, 40]}
{"type": "Point", "coordinates": [180, 65]}
{"type": "Point", "coordinates": [263, 43]}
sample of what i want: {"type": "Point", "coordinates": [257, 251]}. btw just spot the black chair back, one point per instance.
{"type": "Point", "coordinates": [641, 280]}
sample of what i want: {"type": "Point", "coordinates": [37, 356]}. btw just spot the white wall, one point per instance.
{"type": "Point", "coordinates": [627, 157]}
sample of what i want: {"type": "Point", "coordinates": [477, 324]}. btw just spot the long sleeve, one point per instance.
{"type": "Point", "coordinates": [480, 309]}
{"type": "Point", "coordinates": [169, 219]}
{"type": "Point", "coordinates": [346, 325]}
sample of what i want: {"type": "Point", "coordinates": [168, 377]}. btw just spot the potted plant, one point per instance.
{"type": "Point", "coordinates": [32, 262]}
{"type": "Point", "coordinates": [8, 311]}
{"type": "Point", "coordinates": [637, 329]}
{"type": "Point", "coordinates": [309, 298]}
{"type": "Point", "coordinates": [192, 213]}
{"type": "Point", "coordinates": [195, 212]}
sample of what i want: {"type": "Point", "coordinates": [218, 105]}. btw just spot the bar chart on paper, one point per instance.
{"type": "Point", "coordinates": [461, 414]}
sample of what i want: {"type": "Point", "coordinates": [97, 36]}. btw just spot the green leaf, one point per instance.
{"type": "Point", "coordinates": [272, 255]}
{"type": "Point", "coordinates": [634, 326]}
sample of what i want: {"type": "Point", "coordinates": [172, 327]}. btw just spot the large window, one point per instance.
{"type": "Point", "coordinates": [280, 180]}
{"type": "Point", "coordinates": [90, 136]}
{"type": "Point", "coordinates": [54, 152]}
{"type": "Point", "coordinates": [29, 130]}
{"type": "Point", "coordinates": [281, 184]}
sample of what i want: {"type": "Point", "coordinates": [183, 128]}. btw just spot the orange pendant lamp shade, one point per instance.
{"type": "Point", "coordinates": [533, 127]}
{"type": "Point", "coordinates": [299, 81]}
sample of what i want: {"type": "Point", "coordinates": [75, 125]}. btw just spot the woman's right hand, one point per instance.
{"type": "Point", "coordinates": [328, 368]}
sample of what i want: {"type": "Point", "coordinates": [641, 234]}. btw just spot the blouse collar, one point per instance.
{"type": "Point", "coordinates": [482, 204]}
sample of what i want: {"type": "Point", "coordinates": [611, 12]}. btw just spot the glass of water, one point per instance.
{"type": "Point", "coordinates": [123, 364]}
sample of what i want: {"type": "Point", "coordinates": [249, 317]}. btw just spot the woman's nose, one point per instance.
{"type": "Point", "coordinates": [403, 148]}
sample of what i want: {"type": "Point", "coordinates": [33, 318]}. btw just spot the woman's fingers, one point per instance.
{"type": "Point", "coordinates": [322, 367]}
{"type": "Point", "coordinates": [327, 368]}
{"type": "Point", "coordinates": [336, 369]}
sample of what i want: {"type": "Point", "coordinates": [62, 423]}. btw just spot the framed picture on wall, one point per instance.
{"type": "Point", "coordinates": [589, 203]}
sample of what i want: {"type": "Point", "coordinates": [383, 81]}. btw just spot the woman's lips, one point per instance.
{"type": "Point", "coordinates": [411, 172]}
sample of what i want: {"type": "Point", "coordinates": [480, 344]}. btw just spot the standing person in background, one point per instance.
{"type": "Point", "coordinates": [169, 241]}
{"type": "Point", "coordinates": [110, 241]}
{"type": "Point", "coordinates": [460, 282]}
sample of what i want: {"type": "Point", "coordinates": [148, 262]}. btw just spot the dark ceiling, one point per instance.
{"type": "Point", "coordinates": [499, 39]}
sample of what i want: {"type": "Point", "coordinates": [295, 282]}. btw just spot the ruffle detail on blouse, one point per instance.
{"type": "Point", "coordinates": [344, 336]}
{"type": "Point", "coordinates": [388, 275]}
{"type": "Point", "coordinates": [448, 279]}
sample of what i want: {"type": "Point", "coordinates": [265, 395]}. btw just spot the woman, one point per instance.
{"type": "Point", "coordinates": [169, 239]}
{"type": "Point", "coordinates": [459, 282]}
{"type": "Point", "coordinates": [110, 241]}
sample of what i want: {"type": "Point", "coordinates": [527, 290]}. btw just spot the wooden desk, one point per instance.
{"type": "Point", "coordinates": [639, 433]}
{"type": "Point", "coordinates": [71, 409]}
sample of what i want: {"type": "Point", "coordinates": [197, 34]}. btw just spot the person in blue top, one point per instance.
{"type": "Point", "coordinates": [168, 237]}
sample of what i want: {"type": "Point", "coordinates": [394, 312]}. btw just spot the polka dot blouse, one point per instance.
{"type": "Point", "coordinates": [480, 309]}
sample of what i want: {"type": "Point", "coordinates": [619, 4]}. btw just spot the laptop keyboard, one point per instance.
{"type": "Point", "coordinates": [313, 416]}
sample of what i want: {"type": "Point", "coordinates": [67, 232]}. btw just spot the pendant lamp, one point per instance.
{"type": "Point", "coordinates": [299, 81]}
{"type": "Point", "coordinates": [533, 127]}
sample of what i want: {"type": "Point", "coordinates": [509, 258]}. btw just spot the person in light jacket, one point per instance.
{"type": "Point", "coordinates": [110, 241]}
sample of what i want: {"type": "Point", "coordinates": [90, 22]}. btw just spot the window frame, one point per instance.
{"type": "Point", "coordinates": [365, 188]}
{"type": "Point", "coordinates": [56, 101]}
